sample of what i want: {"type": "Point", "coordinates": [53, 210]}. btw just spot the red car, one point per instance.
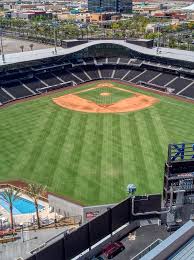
{"type": "Point", "coordinates": [113, 249]}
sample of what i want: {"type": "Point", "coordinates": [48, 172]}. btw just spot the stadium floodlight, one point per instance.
{"type": "Point", "coordinates": [55, 25]}
{"type": "Point", "coordinates": [131, 189]}
{"type": "Point", "coordinates": [2, 52]}
{"type": "Point", "coordinates": [158, 42]}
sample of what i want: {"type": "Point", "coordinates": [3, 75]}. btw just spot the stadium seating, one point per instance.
{"type": "Point", "coordinates": [48, 79]}
{"type": "Point", "coordinates": [79, 73]}
{"type": "Point", "coordinates": [147, 76]}
{"type": "Point", "coordinates": [33, 84]}
{"type": "Point", "coordinates": [4, 97]}
{"type": "Point", "coordinates": [163, 79]}
{"type": "Point", "coordinates": [92, 71]}
{"type": "Point", "coordinates": [17, 90]}
{"type": "Point", "coordinates": [124, 61]}
{"type": "Point", "coordinates": [100, 60]}
{"type": "Point", "coordinates": [44, 77]}
{"type": "Point", "coordinates": [179, 84]}
{"type": "Point", "coordinates": [113, 60]}
{"type": "Point", "coordinates": [120, 72]}
{"type": "Point", "coordinates": [132, 74]}
{"type": "Point", "coordinates": [106, 71]}
{"type": "Point", "coordinates": [89, 60]}
{"type": "Point", "coordinates": [64, 75]}
{"type": "Point", "coordinates": [136, 62]}
{"type": "Point", "coordinates": [189, 92]}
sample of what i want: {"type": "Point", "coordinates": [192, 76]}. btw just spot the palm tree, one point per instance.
{"type": "Point", "coordinates": [31, 46]}
{"type": "Point", "coordinates": [35, 191]}
{"type": "Point", "coordinates": [10, 195]}
{"type": "Point", "coordinates": [22, 47]}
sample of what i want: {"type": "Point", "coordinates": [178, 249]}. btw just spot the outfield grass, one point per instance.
{"type": "Point", "coordinates": [91, 157]}
{"type": "Point", "coordinates": [95, 95]}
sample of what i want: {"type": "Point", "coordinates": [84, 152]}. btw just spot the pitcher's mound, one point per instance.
{"type": "Point", "coordinates": [105, 94]}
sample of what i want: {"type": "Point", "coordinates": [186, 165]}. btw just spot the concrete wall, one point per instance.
{"type": "Point", "coordinates": [70, 209]}
{"type": "Point", "coordinates": [91, 212]}
{"type": "Point", "coordinates": [64, 207]}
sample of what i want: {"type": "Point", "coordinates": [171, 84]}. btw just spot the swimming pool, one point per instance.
{"type": "Point", "coordinates": [20, 206]}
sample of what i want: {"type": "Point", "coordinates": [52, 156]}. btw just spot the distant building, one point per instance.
{"type": "Point", "coordinates": [30, 14]}
{"type": "Point", "coordinates": [117, 6]}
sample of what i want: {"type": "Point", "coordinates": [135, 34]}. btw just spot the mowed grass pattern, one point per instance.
{"type": "Point", "coordinates": [95, 95]}
{"type": "Point", "coordinates": [91, 157]}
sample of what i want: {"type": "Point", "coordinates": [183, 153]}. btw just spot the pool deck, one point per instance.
{"type": "Point", "coordinates": [28, 219]}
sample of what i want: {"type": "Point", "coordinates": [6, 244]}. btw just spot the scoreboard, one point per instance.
{"type": "Point", "coordinates": [179, 171]}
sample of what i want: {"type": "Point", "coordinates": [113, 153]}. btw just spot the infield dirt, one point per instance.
{"type": "Point", "coordinates": [136, 102]}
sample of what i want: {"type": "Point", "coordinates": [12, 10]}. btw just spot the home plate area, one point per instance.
{"type": "Point", "coordinates": [105, 98]}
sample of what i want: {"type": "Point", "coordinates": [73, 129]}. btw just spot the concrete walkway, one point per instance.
{"type": "Point", "coordinates": [32, 240]}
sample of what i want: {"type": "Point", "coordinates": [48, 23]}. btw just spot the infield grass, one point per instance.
{"type": "Point", "coordinates": [91, 157]}
{"type": "Point", "coordinates": [96, 96]}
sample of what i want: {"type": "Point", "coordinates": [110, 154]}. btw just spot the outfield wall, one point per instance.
{"type": "Point", "coordinates": [69, 208]}
{"type": "Point", "coordinates": [116, 221]}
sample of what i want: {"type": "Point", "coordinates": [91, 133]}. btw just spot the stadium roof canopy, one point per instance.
{"type": "Point", "coordinates": [48, 53]}
{"type": "Point", "coordinates": [188, 8]}
{"type": "Point", "coordinates": [179, 246]}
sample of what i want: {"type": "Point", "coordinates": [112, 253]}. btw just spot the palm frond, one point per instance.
{"type": "Point", "coordinates": [10, 195]}
{"type": "Point", "coordinates": [35, 190]}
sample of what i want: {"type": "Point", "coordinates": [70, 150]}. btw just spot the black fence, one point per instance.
{"type": "Point", "coordinates": [92, 232]}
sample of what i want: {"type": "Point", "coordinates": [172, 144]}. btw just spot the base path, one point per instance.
{"type": "Point", "coordinates": [134, 103]}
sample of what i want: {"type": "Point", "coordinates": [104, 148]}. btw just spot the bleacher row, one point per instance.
{"type": "Point", "coordinates": [35, 80]}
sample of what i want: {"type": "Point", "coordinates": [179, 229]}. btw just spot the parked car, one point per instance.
{"type": "Point", "coordinates": [173, 227]}
{"type": "Point", "coordinates": [113, 249]}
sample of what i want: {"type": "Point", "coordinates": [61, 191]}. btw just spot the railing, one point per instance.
{"type": "Point", "coordinates": [57, 86]}
{"type": "Point", "coordinates": [150, 85]}
{"type": "Point", "coordinates": [147, 249]}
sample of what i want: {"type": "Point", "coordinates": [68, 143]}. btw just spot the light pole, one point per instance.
{"type": "Point", "coordinates": [2, 52]}
{"type": "Point", "coordinates": [22, 231]}
{"type": "Point", "coordinates": [1, 222]}
{"type": "Point", "coordinates": [158, 42]}
{"type": "Point", "coordinates": [55, 24]}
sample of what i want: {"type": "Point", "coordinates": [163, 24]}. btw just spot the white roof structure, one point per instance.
{"type": "Point", "coordinates": [188, 8]}
{"type": "Point", "coordinates": [48, 53]}
{"type": "Point", "coordinates": [178, 246]}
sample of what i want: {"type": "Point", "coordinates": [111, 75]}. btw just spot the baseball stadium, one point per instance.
{"type": "Point", "coordinates": [88, 120]}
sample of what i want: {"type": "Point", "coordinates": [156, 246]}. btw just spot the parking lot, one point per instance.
{"type": "Point", "coordinates": [11, 45]}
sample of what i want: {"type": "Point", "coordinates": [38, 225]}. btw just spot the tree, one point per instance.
{"type": "Point", "coordinates": [22, 48]}
{"type": "Point", "coordinates": [35, 191]}
{"type": "Point", "coordinates": [115, 26]}
{"type": "Point", "coordinates": [31, 46]}
{"type": "Point", "coordinates": [172, 42]}
{"type": "Point", "coordinates": [10, 195]}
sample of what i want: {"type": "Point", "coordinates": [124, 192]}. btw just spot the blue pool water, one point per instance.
{"type": "Point", "coordinates": [20, 206]}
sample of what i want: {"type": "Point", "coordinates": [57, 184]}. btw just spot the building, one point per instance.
{"type": "Point", "coordinates": [117, 6]}
{"type": "Point", "coordinates": [30, 14]}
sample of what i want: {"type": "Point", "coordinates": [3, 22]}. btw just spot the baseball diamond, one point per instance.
{"type": "Point", "coordinates": [118, 102]}
{"type": "Point", "coordinates": [92, 157]}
